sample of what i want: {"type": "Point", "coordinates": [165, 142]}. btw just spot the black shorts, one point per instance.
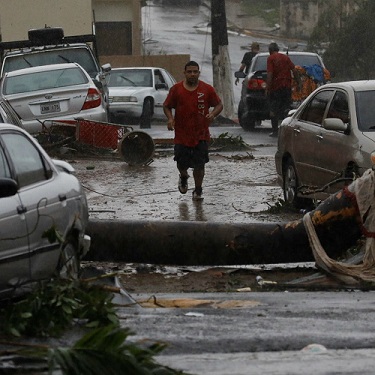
{"type": "Point", "coordinates": [191, 157]}
{"type": "Point", "coordinates": [280, 101]}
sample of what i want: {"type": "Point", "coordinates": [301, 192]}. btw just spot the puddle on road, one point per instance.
{"type": "Point", "coordinates": [235, 191]}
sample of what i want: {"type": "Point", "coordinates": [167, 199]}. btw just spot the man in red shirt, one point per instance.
{"type": "Point", "coordinates": [279, 85]}
{"type": "Point", "coordinates": [191, 100]}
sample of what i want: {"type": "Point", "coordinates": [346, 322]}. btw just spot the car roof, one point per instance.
{"type": "Point", "coordinates": [137, 67]}
{"type": "Point", "coordinates": [363, 85]}
{"type": "Point", "coordinates": [47, 47]}
{"type": "Point", "coordinates": [43, 68]}
{"type": "Point", "coordinates": [295, 53]}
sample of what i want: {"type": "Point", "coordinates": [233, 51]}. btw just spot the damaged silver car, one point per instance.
{"type": "Point", "coordinates": [43, 214]}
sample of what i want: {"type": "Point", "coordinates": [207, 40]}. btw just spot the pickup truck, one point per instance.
{"type": "Point", "coordinates": [50, 46]}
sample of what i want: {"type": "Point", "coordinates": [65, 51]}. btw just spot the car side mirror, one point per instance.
{"type": "Point", "coordinates": [106, 68]}
{"type": "Point", "coordinates": [8, 187]}
{"type": "Point", "coordinates": [239, 74]}
{"type": "Point", "coordinates": [335, 124]}
{"type": "Point", "coordinates": [161, 86]}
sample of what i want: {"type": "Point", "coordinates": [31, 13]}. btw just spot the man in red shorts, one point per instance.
{"type": "Point", "coordinates": [279, 85]}
{"type": "Point", "coordinates": [191, 100]}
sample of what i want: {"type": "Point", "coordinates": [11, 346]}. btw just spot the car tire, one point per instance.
{"type": "Point", "coordinates": [290, 186]}
{"type": "Point", "coordinates": [145, 120]}
{"type": "Point", "coordinates": [69, 262]}
{"type": "Point", "coordinates": [247, 122]}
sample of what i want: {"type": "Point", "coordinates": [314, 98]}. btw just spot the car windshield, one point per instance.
{"type": "Point", "coordinates": [131, 78]}
{"type": "Point", "coordinates": [365, 110]}
{"type": "Point", "coordinates": [260, 63]}
{"type": "Point", "coordinates": [49, 79]}
{"type": "Point", "coordinates": [81, 56]}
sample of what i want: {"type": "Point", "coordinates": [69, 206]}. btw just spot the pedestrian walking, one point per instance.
{"type": "Point", "coordinates": [191, 100]}
{"type": "Point", "coordinates": [279, 85]}
{"type": "Point", "coordinates": [247, 58]}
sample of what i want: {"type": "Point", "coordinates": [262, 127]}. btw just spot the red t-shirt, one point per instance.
{"type": "Point", "coordinates": [191, 108]}
{"type": "Point", "coordinates": [280, 65]}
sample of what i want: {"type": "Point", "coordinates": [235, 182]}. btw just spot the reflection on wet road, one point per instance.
{"type": "Point", "coordinates": [193, 213]}
{"type": "Point", "coordinates": [235, 190]}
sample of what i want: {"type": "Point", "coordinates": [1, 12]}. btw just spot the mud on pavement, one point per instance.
{"type": "Point", "coordinates": [238, 188]}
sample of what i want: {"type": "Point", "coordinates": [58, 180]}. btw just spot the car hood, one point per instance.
{"type": "Point", "coordinates": [129, 91]}
{"type": "Point", "coordinates": [370, 136]}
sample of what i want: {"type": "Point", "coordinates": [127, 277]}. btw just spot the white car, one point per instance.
{"type": "Point", "coordinates": [43, 214]}
{"type": "Point", "coordinates": [52, 92]}
{"type": "Point", "coordinates": [138, 93]}
{"type": "Point", "coordinates": [7, 115]}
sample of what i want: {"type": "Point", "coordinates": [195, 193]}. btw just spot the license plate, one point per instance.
{"type": "Point", "coordinates": [50, 108]}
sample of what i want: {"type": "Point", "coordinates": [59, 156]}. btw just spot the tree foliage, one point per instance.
{"type": "Point", "coordinates": [346, 42]}
{"type": "Point", "coordinates": [58, 306]}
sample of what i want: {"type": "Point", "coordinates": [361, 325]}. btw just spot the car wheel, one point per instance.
{"type": "Point", "coordinates": [69, 262]}
{"type": "Point", "coordinates": [246, 121]}
{"type": "Point", "coordinates": [145, 121]}
{"type": "Point", "coordinates": [290, 186]}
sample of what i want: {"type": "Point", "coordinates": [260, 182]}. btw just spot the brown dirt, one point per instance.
{"type": "Point", "coordinates": [149, 279]}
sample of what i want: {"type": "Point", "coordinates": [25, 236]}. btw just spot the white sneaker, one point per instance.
{"type": "Point", "coordinates": [196, 196]}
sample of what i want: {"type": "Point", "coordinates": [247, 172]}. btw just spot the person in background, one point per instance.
{"type": "Point", "coordinates": [279, 85]}
{"type": "Point", "coordinates": [247, 58]}
{"type": "Point", "coordinates": [191, 100]}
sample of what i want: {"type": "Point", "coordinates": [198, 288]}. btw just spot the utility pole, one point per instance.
{"type": "Point", "coordinates": [221, 68]}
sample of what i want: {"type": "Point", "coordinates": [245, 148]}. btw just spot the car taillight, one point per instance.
{"type": "Point", "coordinates": [256, 84]}
{"type": "Point", "coordinates": [93, 99]}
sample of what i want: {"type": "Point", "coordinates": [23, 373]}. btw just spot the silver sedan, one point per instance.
{"type": "Point", "coordinates": [58, 91]}
{"type": "Point", "coordinates": [327, 142]}
{"type": "Point", "coordinates": [43, 214]}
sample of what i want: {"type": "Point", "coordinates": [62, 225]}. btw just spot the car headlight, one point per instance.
{"type": "Point", "coordinates": [117, 99]}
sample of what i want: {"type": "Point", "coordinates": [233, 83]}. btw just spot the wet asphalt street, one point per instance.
{"type": "Point", "coordinates": [270, 332]}
{"type": "Point", "coordinates": [239, 186]}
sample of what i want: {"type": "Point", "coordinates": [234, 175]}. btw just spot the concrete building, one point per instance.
{"type": "Point", "coordinates": [299, 17]}
{"type": "Point", "coordinates": [116, 23]}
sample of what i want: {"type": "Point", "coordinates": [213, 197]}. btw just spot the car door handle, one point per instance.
{"type": "Point", "coordinates": [62, 197]}
{"type": "Point", "coordinates": [21, 210]}
{"type": "Point", "coordinates": [320, 137]}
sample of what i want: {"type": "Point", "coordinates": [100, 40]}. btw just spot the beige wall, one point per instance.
{"type": "Point", "coordinates": [121, 11]}
{"type": "Point", "coordinates": [18, 16]}
{"type": "Point", "coordinates": [173, 63]}
{"type": "Point", "coordinates": [74, 16]}
{"type": "Point", "coordinates": [112, 11]}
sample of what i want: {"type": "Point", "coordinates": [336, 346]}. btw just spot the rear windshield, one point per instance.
{"type": "Point", "coordinates": [82, 56]}
{"type": "Point", "coordinates": [260, 62]}
{"type": "Point", "coordinates": [43, 80]}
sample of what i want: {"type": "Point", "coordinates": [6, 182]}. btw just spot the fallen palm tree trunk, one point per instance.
{"type": "Point", "coordinates": [336, 223]}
